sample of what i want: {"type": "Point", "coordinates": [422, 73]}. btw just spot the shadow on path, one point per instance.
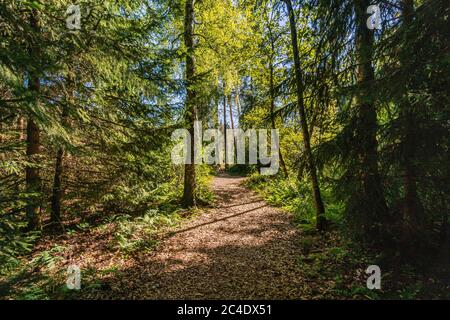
{"type": "Point", "coordinates": [243, 249]}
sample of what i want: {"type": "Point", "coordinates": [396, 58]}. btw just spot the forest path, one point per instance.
{"type": "Point", "coordinates": [241, 249]}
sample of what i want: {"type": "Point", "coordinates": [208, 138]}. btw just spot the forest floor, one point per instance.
{"type": "Point", "coordinates": [240, 248]}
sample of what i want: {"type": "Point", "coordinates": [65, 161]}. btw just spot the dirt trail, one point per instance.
{"type": "Point", "coordinates": [242, 249]}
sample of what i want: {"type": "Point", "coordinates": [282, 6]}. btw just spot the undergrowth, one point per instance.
{"type": "Point", "coordinates": [337, 260]}
{"type": "Point", "coordinates": [133, 220]}
{"type": "Point", "coordinates": [295, 197]}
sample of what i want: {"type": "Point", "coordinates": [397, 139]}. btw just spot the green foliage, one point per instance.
{"type": "Point", "coordinates": [204, 178]}
{"type": "Point", "coordinates": [295, 196]}
{"type": "Point", "coordinates": [47, 258]}
{"type": "Point", "coordinates": [14, 244]}
{"type": "Point", "coordinates": [241, 170]}
{"type": "Point", "coordinates": [105, 99]}
{"type": "Point", "coordinates": [138, 234]}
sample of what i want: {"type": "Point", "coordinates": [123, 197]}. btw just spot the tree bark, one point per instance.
{"type": "Point", "coordinates": [2, 155]}
{"type": "Point", "coordinates": [225, 125]}
{"type": "Point", "coordinates": [318, 203]}
{"type": "Point", "coordinates": [58, 190]}
{"type": "Point", "coordinates": [238, 103]}
{"type": "Point", "coordinates": [32, 175]}
{"type": "Point", "coordinates": [21, 127]}
{"type": "Point", "coordinates": [366, 128]}
{"type": "Point", "coordinates": [188, 199]}
{"type": "Point", "coordinates": [413, 210]}
{"type": "Point", "coordinates": [272, 106]}
{"type": "Point", "coordinates": [230, 106]}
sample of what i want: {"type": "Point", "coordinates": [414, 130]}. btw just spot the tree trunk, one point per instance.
{"type": "Point", "coordinates": [216, 122]}
{"type": "Point", "coordinates": [32, 176]}
{"type": "Point", "coordinates": [58, 190]}
{"type": "Point", "coordinates": [238, 103]}
{"type": "Point", "coordinates": [413, 210]}
{"type": "Point", "coordinates": [1, 139]}
{"type": "Point", "coordinates": [272, 108]}
{"type": "Point", "coordinates": [225, 125]}
{"type": "Point", "coordinates": [188, 199]}
{"type": "Point", "coordinates": [318, 203]}
{"type": "Point", "coordinates": [372, 198]}
{"type": "Point", "coordinates": [230, 106]}
{"type": "Point", "coordinates": [21, 127]}
{"type": "Point", "coordinates": [444, 225]}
